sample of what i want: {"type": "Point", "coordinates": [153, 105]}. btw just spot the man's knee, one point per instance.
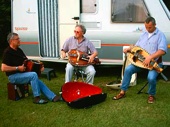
{"type": "Point", "coordinates": [93, 72]}
{"type": "Point", "coordinates": [33, 75]}
{"type": "Point", "coordinates": [128, 70]}
{"type": "Point", "coordinates": [69, 67]}
{"type": "Point", "coordinates": [151, 79]}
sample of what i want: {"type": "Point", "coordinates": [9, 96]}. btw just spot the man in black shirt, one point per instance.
{"type": "Point", "coordinates": [12, 64]}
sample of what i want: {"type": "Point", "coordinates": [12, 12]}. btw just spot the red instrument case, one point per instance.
{"type": "Point", "coordinates": [82, 95]}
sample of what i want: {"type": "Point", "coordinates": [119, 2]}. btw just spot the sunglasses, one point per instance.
{"type": "Point", "coordinates": [77, 32]}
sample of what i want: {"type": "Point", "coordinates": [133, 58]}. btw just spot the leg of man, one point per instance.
{"type": "Point", "coordinates": [129, 71]}
{"type": "Point", "coordinates": [69, 72]}
{"type": "Point", "coordinates": [36, 84]}
{"type": "Point", "coordinates": [90, 71]}
{"type": "Point", "coordinates": [46, 91]}
{"type": "Point", "coordinates": [24, 78]}
{"type": "Point", "coordinates": [152, 77]}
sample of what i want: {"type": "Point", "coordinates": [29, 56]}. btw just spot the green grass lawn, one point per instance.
{"type": "Point", "coordinates": [132, 111]}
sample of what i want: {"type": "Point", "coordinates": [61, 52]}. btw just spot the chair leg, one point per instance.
{"type": "Point", "coordinates": [164, 77]}
{"type": "Point", "coordinates": [140, 91]}
{"type": "Point", "coordinates": [82, 76]}
{"type": "Point", "coordinates": [75, 76]}
{"type": "Point", "coordinates": [78, 73]}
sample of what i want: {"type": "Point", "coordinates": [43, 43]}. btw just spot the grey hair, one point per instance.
{"type": "Point", "coordinates": [150, 19]}
{"type": "Point", "coordinates": [10, 36]}
{"type": "Point", "coordinates": [82, 28]}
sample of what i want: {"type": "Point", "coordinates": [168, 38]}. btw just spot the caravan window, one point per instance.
{"type": "Point", "coordinates": [88, 6]}
{"type": "Point", "coordinates": [166, 7]}
{"type": "Point", "coordinates": [128, 11]}
{"type": "Point", "coordinates": [167, 4]}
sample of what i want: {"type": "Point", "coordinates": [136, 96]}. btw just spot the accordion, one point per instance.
{"type": "Point", "coordinates": [32, 65]}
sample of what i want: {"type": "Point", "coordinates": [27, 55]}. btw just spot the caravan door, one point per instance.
{"type": "Point", "coordinates": [69, 11]}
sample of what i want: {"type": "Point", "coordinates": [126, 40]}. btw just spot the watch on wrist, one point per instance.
{"type": "Point", "coordinates": [16, 68]}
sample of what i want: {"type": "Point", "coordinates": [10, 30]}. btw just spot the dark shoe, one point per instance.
{"type": "Point", "coordinates": [56, 98]}
{"type": "Point", "coordinates": [151, 99]}
{"type": "Point", "coordinates": [119, 96]}
{"type": "Point", "coordinates": [40, 101]}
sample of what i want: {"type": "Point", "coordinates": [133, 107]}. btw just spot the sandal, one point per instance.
{"type": "Point", "coordinates": [119, 96]}
{"type": "Point", "coordinates": [56, 99]}
{"type": "Point", "coordinates": [40, 101]}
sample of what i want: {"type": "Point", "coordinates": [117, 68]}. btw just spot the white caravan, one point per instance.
{"type": "Point", "coordinates": [44, 25]}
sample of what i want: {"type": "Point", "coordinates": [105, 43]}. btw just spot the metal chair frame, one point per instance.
{"type": "Point", "coordinates": [78, 72]}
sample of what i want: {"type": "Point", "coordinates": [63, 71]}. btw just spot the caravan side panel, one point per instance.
{"type": "Point", "coordinates": [25, 23]}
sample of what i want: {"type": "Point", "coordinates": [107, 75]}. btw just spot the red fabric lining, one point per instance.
{"type": "Point", "coordinates": [72, 91]}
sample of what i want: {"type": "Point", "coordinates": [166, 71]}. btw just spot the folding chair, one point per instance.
{"type": "Point", "coordinates": [78, 72]}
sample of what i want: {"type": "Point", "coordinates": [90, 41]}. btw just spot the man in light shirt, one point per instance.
{"type": "Point", "coordinates": [81, 43]}
{"type": "Point", "coordinates": [155, 43]}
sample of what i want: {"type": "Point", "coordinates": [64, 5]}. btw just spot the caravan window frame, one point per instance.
{"type": "Point", "coordinates": [166, 8]}
{"type": "Point", "coordinates": [128, 11]}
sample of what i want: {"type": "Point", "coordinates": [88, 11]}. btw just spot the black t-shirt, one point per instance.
{"type": "Point", "coordinates": [13, 57]}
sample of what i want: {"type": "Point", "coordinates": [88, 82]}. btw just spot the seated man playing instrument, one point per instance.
{"type": "Point", "coordinates": [78, 43]}
{"type": "Point", "coordinates": [155, 43]}
{"type": "Point", "coordinates": [13, 64]}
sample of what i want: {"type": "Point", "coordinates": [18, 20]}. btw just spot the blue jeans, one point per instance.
{"type": "Point", "coordinates": [37, 85]}
{"type": "Point", "coordinates": [89, 71]}
{"type": "Point", "coordinates": [152, 78]}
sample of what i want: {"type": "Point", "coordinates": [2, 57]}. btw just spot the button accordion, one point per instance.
{"type": "Point", "coordinates": [32, 65]}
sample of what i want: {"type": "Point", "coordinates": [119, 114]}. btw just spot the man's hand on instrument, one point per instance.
{"type": "Point", "coordinates": [91, 59]}
{"type": "Point", "coordinates": [21, 68]}
{"type": "Point", "coordinates": [42, 68]}
{"type": "Point", "coordinates": [63, 54]}
{"type": "Point", "coordinates": [147, 61]}
{"type": "Point", "coordinates": [125, 50]}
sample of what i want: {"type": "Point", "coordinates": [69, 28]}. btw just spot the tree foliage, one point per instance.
{"type": "Point", "coordinates": [5, 21]}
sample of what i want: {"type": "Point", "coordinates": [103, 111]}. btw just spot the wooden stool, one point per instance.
{"type": "Point", "coordinates": [17, 91]}
{"type": "Point", "coordinates": [48, 72]}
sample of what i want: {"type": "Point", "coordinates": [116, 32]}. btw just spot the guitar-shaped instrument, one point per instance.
{"type": "Point", "coordinates": [137, 55]}
{"type": "Point", "coordinates": [78, 58]}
